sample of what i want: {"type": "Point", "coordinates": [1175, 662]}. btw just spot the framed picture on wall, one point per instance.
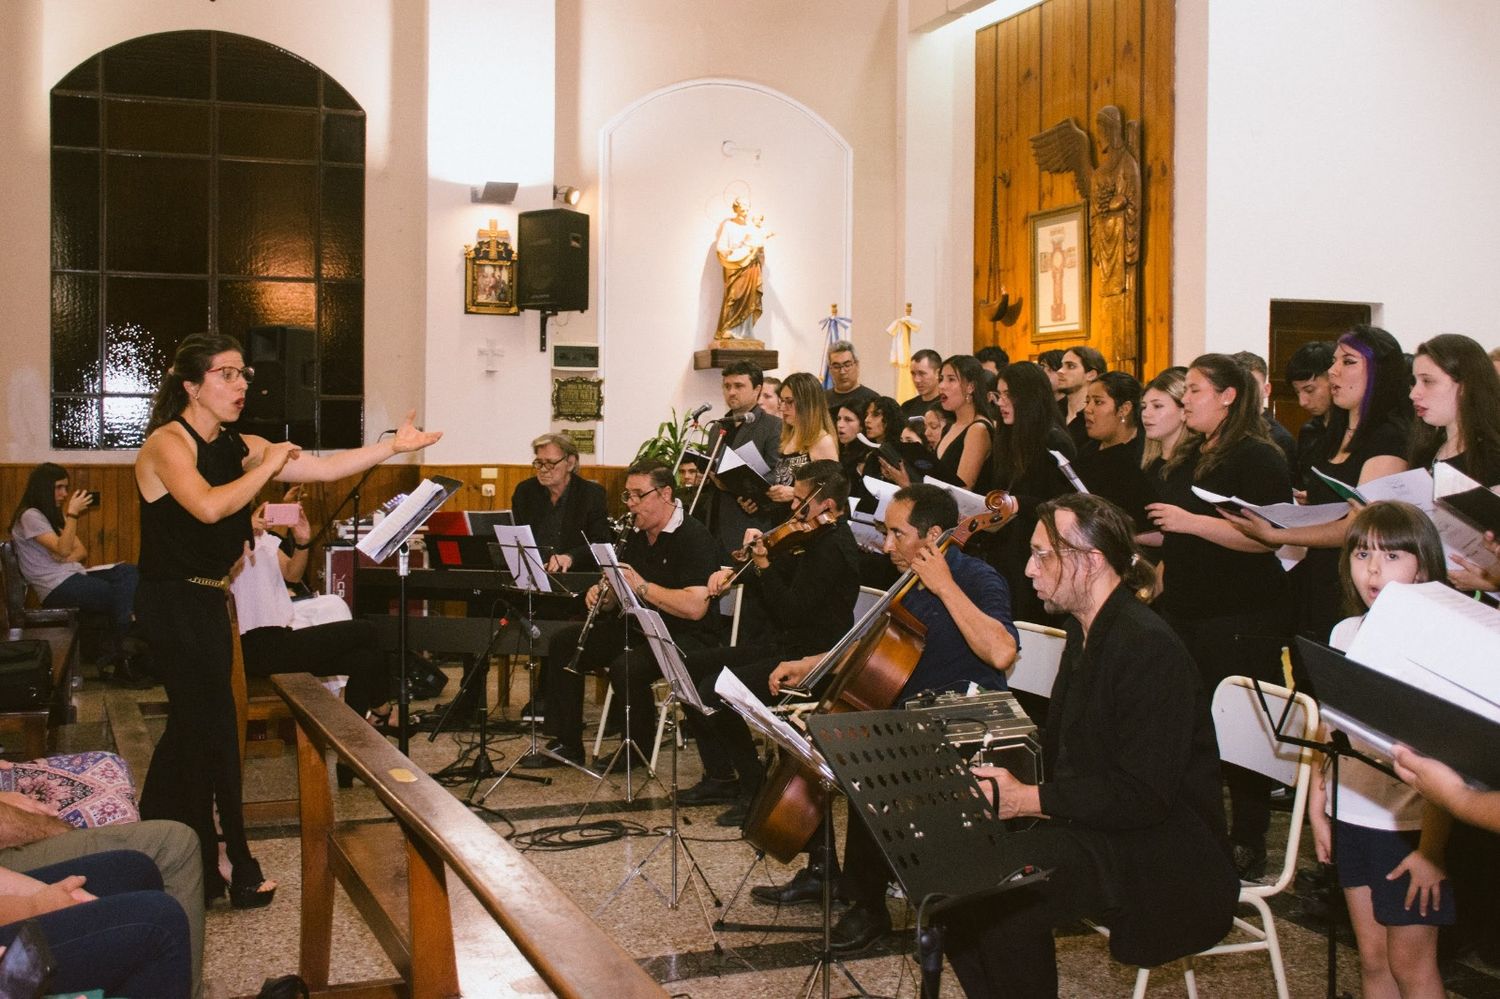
{"type": "Point", "coordinates": [1060, 271]}
{"type": "Point", "coordinates": [490, 274]}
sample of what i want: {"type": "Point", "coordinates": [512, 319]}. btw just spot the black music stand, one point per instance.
{"type": "Point", "coordinates": [925, 811]}
{"type": "Point", "coordinates": [669, 657]}
{"type": "Point", "coordinates": [392, 535]}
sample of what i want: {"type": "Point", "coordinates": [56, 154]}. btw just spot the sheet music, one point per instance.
{"type": "Point", "coordinates": [969, 504]}
{"type": "Point", "coordinates": [386, 536]}
{"type": "Point", "coordinates": [882, 491]}
{"type": "Point", "coordinates": [1067, 470]}
{"type": "Point", "coordinates": [1413, 486]}
{"type": "Point", "coordinates": [867, 536]}
{"type": "Point", "coordinates": [759, 717]}
{"type": "Point", "coordinates": [609, 562]}
{"type": "Point", "coordinates": [669, 658]}
{"type": "Point", "coordinates": [745, 454]}
{"type": "Point", "coordinates": [1281, 514]}
{"type": "Point", "coordinates": [1436, 639]}
{"type": "Point", "coordinates": [522, 557]}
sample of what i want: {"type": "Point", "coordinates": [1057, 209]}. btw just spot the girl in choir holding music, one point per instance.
{"type": "Point", "coordinates": [1109, 464]}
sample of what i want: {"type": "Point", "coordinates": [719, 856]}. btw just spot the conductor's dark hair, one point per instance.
{"type": "Point", "coordinates": [659, 471]}
{"type": "Point", "coordinates": [1311, 360]}
{"type": "Point", "coordinates": [747, 368]}
{"type": "Point", "coordinates": [1099, 526]}
{"type": "Point", "coordinates": [190, 364]}
{"type": "Point", "coordinates": [39, 494]}
{"type": "Point", "coordinates": [930, 507]}
{"type": "Point", "coordinates": [828, 478]}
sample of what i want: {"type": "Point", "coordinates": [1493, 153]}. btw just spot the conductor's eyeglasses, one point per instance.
{"type": "Point", "coordinates": [231, 374]}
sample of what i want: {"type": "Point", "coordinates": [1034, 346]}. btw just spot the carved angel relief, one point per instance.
{"type": "Point", "coordinates": [1114, 194]}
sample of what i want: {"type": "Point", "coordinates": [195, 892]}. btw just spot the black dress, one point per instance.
{"type": "Point", "coordinates": [1010, 547]}
{"type": "Point", "coordinates": [1116, 474]}
{"type": "Point", "coordinates": [949, 461]}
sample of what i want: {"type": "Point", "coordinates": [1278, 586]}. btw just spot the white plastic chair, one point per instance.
{"type": "Point", "coordinates": [731, 602]}
{"type": "Point", "coordinates": [1038, 660]}
{"type": "Point", "coordinates": [1246, 739]}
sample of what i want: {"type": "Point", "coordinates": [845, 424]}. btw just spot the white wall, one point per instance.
{"type": "Point", "coordinates": [376, 50]}
{"type": "Point", "coordinates": [1351, 153]}
{"type": "Point", "coordinates": [666, 185]}
{"type": "Point", "coordinates": [490, 117]}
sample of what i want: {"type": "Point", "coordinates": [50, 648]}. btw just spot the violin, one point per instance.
{"type": "Point", "coordinates": [790, 537]}
{"type": "Point", "coordinates": [870, 665]}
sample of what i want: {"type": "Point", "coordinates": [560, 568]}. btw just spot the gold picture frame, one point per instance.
{"type": "Point", "coordinates": [1060, 272]}
{"type": "Point", "coordinates": [490, 274]}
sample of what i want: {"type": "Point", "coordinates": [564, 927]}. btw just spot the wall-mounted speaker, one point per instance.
{"type": "Point", "coordinates": [286, 376]}
{"type": "Point", "coordinates": [552, 274]}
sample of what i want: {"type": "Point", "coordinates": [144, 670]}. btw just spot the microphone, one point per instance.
{"type": "Point", "coordinates": [748, 416]}
{"type": "Point", "coordinates": [693, 416]}
{"type": "Point", "coordinates": [531, 629]}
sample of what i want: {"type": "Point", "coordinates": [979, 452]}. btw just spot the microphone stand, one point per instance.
{"type": "Point", "coordinates": [712, 458]}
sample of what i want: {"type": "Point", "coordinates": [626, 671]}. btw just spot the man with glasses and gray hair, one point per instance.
{"type": "Point", "coordinates": [565, 510]}
{"type": "Point", "coordinates": [843, 366]}
{"type": "Point", "coordinates": [667, 560]}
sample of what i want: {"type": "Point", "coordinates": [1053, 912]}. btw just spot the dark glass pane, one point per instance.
{"type": "Point", "coordinates": [343, 423]}
{"type": "Point", "coordinates": [304, 434]}
{"type": "Point", "coordinates": [174, 64]}
{"type": "Point", "coordinates": [145, 319]}
{"type": "Point", "coordinates": [125, 418]}
{"type": "Point", "coordinates": [286, 135]}
{"type": "Point", "coordinates": [75, 333]}
{"type": "Point", "coordinates": [75, 121]}
{"type": "Point", "coordinates": [75, 210]}
{"type": "Point", "coordinates": [341, 339]}
{"type": "Point", "coordinates": [157, 214]}
{"type": "Point", "coordinates": [267, 219]}
{"type": "Point", "coordinates": [157, 128]}
{"type": "Point", "coordinates": [335, 96]}
{"type": "Point", "coordinates": [343, 222]}
{"type": "Point", "coordinates": [75, 423]}
{"type": "Point", "coordinates": [247, 304]}
{"type": "Point", "coordinates": [344, 138]}
{"type": "Point", "coordinates": [255, 72]}
{"type": "Point", "coordinates": [85, 76]}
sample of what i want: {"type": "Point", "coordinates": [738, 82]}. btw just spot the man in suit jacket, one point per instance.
{"type": "Point", "coordinates": [562, 508]}
{"type": "Point", "coordinates": [1136, 837]}
{"type": "Point", "coordinates": [744, 423]}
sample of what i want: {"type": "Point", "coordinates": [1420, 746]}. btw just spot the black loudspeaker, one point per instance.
{"type": "Point", "coordinates": [552, 274]}
{"type": "Point", "coordinates": [285, 386]}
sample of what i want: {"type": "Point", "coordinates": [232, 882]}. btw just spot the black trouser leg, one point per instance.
{"type": "Point", "coordinates": [565, 689]}
{"type": "Point", "coordinates": [347, 648]}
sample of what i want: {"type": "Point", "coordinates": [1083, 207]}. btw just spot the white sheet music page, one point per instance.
{"type": "Point", "coordinates": [970, 504]}
{"type": "Point", "coordinates": [609, 562]}
{"type": "Point", "coordinates": [522, 557]}
{"type": "Point", "coordinates": [392, 525]}
{"type": "Point", "coordinates": [882, 491]}
{"type": "Point", "coordinates": [759, 717]}
{"type": "Point", "coordinates": [1436, 639]}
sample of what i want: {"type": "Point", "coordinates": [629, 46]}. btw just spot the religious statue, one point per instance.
{"type": "Point", "coordinates": [741, 248]}
{"type": "Point", "coordinates": [1114, 194]}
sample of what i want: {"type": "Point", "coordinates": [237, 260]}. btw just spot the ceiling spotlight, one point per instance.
{"type": "Point", "coordinates": [567, 195]}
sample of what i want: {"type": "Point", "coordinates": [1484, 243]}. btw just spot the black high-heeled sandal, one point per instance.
{"type": "Point", "coordinates": [247, 888]}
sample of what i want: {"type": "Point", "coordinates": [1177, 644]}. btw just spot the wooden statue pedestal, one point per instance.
{"type": "Point", "coordinates": [753, 351]}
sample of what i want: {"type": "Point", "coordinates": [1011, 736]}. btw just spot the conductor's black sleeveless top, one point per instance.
{"type": "Point", "coordinates": [177, 545]}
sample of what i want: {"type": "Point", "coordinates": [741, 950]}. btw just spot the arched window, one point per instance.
{"type": "Point", "coordinates": [202, 180]}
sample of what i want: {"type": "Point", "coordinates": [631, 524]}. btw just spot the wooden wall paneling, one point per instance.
{"type": "Point", "coordinates": [1026, 176]}
{"type": "Point", "coordinates": [1159, 101]}
{"type": "Point", "coordinates": [1007, 134]}
{"type": "Point", "coordinates": [985, 101]}
{"type": "Point", "coordinates": [112, 532]}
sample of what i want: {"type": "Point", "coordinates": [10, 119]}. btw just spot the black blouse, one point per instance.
{"type": "Point", "coordinates": [1116, 474]}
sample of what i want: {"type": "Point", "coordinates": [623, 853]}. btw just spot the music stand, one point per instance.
{"type": "Point", "coordinates": [392, 535]}
{"type": "Point", "coordinates": [683, 691]}
{"type": "Point", "coordinates": [524, 560]}
{"type": "Point", "coordinates": [925, 811]}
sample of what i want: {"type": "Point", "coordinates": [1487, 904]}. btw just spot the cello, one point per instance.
{"type": "Point", "coordinates": [869, 666]}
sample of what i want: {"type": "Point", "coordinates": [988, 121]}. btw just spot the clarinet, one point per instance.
{"type": "Point", "coordinates": [588, 624]}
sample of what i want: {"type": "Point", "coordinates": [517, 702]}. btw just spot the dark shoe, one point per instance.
{"type": "Point", "coordinates": [734, 817]}
{"type": "Point", "coordinates": [126, 672]}
{"type": "Point", "coordinates": [536, 761]}
{"type": "Point", "coordinates": [860, 927]}
{"type": "Point", "coordinates": [1249, 863]}
{"type": "Point", "coordinates": [711, 791]}
{"type": "Point", "coordinates": [806, 887]}
{"type": "Point", "coordinates": [248, 888]}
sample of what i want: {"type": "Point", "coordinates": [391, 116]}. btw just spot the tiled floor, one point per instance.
{"type": "Point", "coordinates": [680, 947]}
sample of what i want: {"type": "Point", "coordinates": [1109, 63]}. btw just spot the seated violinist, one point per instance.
{"type": "Point", "coordinates": [964, 606]}
{"type": "Point", "coordinates": [804, 593]}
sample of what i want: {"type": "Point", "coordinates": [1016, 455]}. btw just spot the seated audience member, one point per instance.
{"type": "Point", "coordinates": [1136, 834]}
{"type": "Point", "coordinates": [1307, 374]}
{"type": "Point", "coordinates": [1389, 845]}
{"type": "Point", "coordinates": [33, 837]}
{"type": "Point", "coordinates": [1280, 436]}
{"type": "Point", "coordinates": [272, 640]}
{"type": "Point", "coordinates": [1110, 463]}
{"type": "Point", "coordinates": [107, 924]}
{"type": "Point", "coordinates": [45, 531]}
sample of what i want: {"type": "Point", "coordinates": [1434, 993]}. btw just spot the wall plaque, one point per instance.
{"type": "Point", "coordinates": [578, 400]}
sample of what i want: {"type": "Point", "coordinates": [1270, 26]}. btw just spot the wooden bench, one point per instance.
{"type": "Point", "coordinates": [35, 725]}
{"type": "Point", "coordinates": [406, 905]}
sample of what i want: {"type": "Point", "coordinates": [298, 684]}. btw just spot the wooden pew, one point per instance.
{"type": "Point", "coordinates": [36, 725]}
{"type": "Point", "coordinates": [406, 905]}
